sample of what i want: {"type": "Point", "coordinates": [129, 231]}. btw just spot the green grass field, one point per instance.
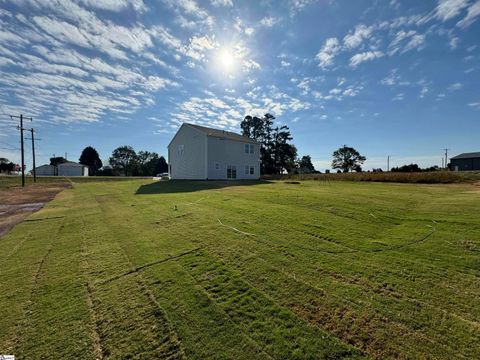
{"type": "Point", "coordinates": [272, 270]}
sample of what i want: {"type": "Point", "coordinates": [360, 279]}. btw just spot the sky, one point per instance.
{"type": "Point", "coordinates": [390, 78]}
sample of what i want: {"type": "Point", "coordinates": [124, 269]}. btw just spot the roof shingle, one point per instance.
{"type": "Point", "coordinates": [222, 133]}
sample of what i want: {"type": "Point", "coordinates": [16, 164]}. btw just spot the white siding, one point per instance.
{"type": "Point", "coordinates": [45, 170]}
{"type": "Point", "coordinates": [70, 170]}
{"type": "Point", "coordinates": [226, 152]}
{"type": "Point", "coordinates": [187, 154]}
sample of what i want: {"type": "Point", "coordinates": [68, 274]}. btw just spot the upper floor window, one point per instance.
{"type": "Point", "coordinates": [181, 149]}
{"type": "Point", "coordinates": [249, 148]}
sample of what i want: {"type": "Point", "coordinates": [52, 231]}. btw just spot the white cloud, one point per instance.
{"type": "Point", "coordinates": [399, 97]}
{"type": "Point", "coordinates": [416, 42]}
{"type": "Point", "coordinates": [298, 5]}
{"type": "Point", "coordinates": [250, 64]}
{"type": "Point", "coordinates": [115, 5]}
{"type": "Point", "coordinates": [475, 105]}
{"type": "Point", "coordinates": [228, 3]}
{"type": "Point", "coordinates": [355, 39]}
{"type": "Point", "coordinates": [249, 31]}
{"type": "Point", "coordinates": [190, 8]}
{"type": "Point", "coordinates": [284, 63]}
{"type": "Point", "coordinates": [447, 9]}
{"type": "Point", "coordinates": [472, 15]}
{"type": "Point", "coordinates": [269, 21]}
{"type": "Point", "coordinates": [454, 42]}
{"type": "Point", "coordinates": [357, 59]}
{"type": "Point", "coordinates": [424, 91]}
{"type": "Point", "coordinates": [198, 45]}
{"type": "Point", "coordinates": [328, 52]}
{"type": "Point", "coordinates": [455, 86]}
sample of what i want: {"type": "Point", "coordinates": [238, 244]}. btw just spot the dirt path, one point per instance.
{"type": "Point", "coordinates": [17, 203]}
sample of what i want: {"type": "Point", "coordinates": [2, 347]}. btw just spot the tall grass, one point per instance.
{"type": "Point", "coordinates": [436, 177]}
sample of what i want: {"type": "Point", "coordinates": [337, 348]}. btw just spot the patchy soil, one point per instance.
{"type": "Point", "coordinates": [17, 203]}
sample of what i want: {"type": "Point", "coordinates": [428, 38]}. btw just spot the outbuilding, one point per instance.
{"type": "Point", "coordinates": [72, 169]}
{"type": "Point", "coordinates": [202, 153]}
{"type": "Point", "coordinates": [466, 162]}
{"type": "Point", "coordinates": [45, 170]}
{"type": "Point", "coordinates": [65, 169]}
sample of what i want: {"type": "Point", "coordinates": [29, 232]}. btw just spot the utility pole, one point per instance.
{"type": "Point", "coordinates": [388, 163]}
{"type": "Point", "coordinates": [33, 153]}
{"type": "Point", "coordinates": [446, 157]}
{"type": "Point", "coordinates": [21, 117]}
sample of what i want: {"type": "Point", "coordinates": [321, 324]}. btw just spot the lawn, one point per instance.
{"type": "Point", "coordinates": [216, 270]}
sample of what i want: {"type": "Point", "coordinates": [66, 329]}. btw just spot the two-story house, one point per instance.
{"type": "Point", "coordinates": [202, 153]}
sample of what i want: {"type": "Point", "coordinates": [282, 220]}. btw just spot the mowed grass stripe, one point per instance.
{"type": "Point", "coordinates": [129, 321]}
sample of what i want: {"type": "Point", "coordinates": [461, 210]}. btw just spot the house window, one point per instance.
{"type": "Point", "coordinates": [249, 149]}
{"type": "Point", "coordinates": [181, 149]}
{"type": "Point", "coordinates": [249, 170]}
{"type": "Point", "coordinates": [231, 172]}
{"type": "Point", "coordinates": [217, 166]}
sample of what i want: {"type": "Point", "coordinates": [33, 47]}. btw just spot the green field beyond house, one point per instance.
{"type": "Point", "coordinates": [272, 270]}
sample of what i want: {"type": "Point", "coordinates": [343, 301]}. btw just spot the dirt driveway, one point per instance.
{"type": "Point", "coordinates": [17, 203]}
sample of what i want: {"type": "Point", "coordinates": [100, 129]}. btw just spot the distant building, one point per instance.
{"type": "Point", "coordinates": [465, 162]}
{"type": "Point", "coordinates": [65, 169]}
{"type": "Point", "coordinates": [202, 153]}
{"type": "Point", "coordinates": [45, 170]}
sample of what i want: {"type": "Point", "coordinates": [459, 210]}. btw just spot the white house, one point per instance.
{"type": "Point", "coordinates": [202, 153]}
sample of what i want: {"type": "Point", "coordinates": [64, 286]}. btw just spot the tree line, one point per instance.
{"type": "Point", "coordinates": [124, 161]}
{"type": "Point", "coordinates": [278, 155]}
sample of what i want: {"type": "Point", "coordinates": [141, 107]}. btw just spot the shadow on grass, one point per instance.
{"type": "Point", "coordinates": [181, 186]}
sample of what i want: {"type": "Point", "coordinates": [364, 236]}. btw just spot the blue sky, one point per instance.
{"type": "Point", "coordinates": [398, 78]}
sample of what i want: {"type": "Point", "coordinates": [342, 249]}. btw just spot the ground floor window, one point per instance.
{"type": "Point", "coordinates": [231, 172]}
{"type": "Point", "coordinates": [217, 166]}
{"type": "Point", "coordinates": [249, 170]}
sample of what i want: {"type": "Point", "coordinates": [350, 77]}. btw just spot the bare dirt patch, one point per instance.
{"type": "Point", "coordinates": [17, 203]}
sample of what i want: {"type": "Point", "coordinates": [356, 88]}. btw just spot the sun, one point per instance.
{"type": "Point", "coordinates": [226, 60]}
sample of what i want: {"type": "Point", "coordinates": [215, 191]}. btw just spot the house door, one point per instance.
{"type": "Point", "coordinates": [231, 172]}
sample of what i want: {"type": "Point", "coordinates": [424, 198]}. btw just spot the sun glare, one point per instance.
{"type": "Point", "coordinates": [226, 60]}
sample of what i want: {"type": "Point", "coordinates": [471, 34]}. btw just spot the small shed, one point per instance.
{"type": "Point", "coordinates": [466, 162]}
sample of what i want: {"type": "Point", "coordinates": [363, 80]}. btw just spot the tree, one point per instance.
{"type": "Point", "coordinates": [55, 161]}
{"type": "Point", "coordinates": [162, 166]}
{"type": "Point", "coordinates": [304, 164]}
{"type": "Point", "coordinates": [347, 159]}
{"type": "Point", "coordinates": [90, 158]}
{"type": "Point", "coordinates": [276, 153]}
{"type": "Point", "coordinates": [407, 168]}
{"type": "Point", "coordinates": [6, 166]}
{"type": "Point", "coordinates": [151, 164]}
{"type": "Point", "coordinates": [123, 158]}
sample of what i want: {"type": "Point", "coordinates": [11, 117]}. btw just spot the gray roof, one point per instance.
{"type": "Point", "coordinates": [467, 156]}
{"type": "Point", "coordinates": [70, 163]}
{"type": "Point", "coordinates": [222, 133]}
